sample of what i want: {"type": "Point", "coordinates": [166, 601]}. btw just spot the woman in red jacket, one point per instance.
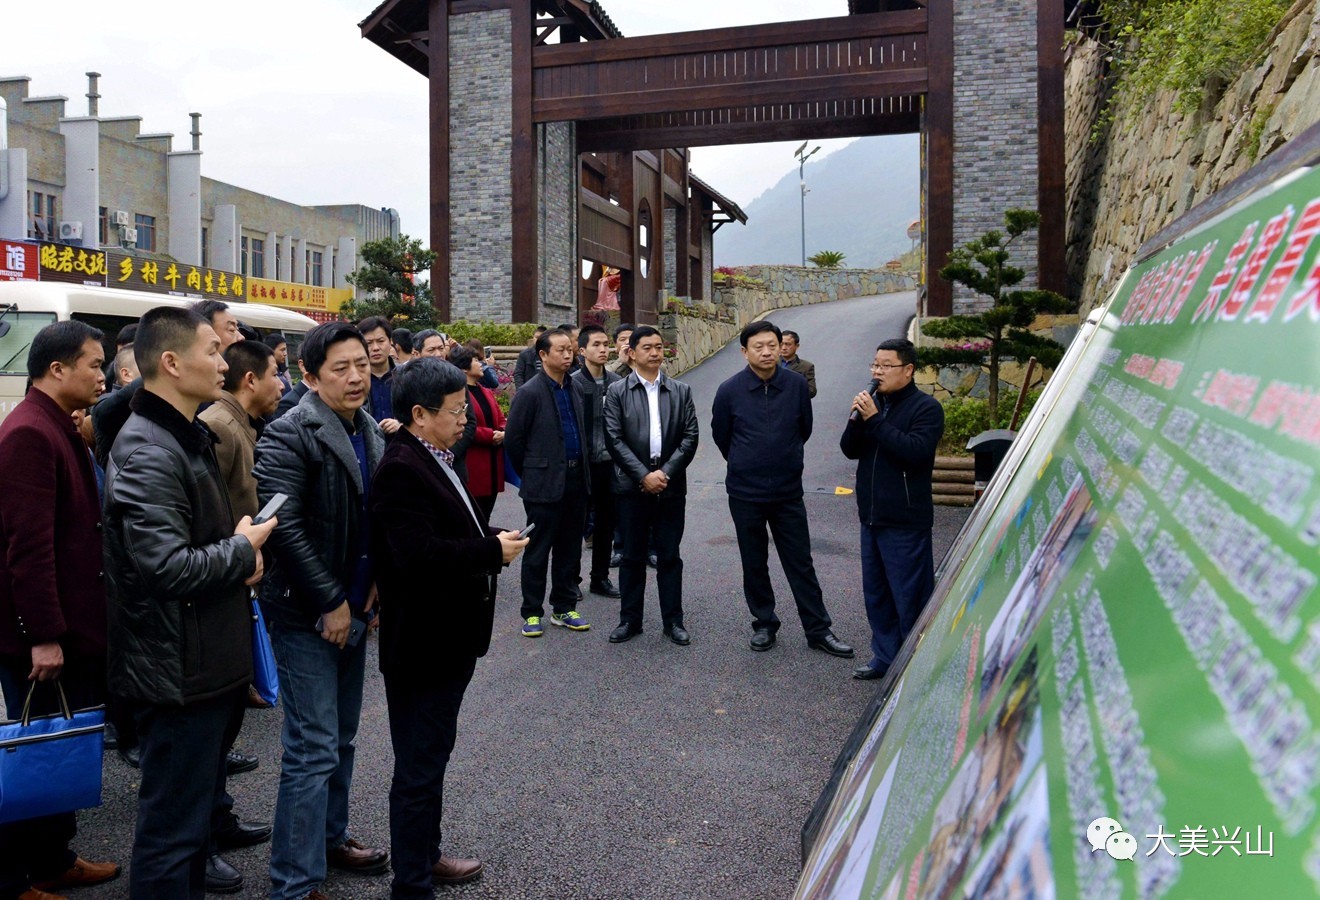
{"type": "Point", "coordinates": [485, 457]}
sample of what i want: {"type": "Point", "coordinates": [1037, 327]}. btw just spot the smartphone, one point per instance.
{"type": "Point", "coordinates": [356, 629]}
{"type": "Point", "coordinates": [270, 509]}
{"type": "Point", "coordinates": [526, 530]}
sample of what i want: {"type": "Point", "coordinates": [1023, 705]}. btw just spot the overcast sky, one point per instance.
{"type": "Point", "coordinates": [296, 104]}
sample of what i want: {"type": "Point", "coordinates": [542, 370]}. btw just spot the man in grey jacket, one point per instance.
{"type": "Point", "coordinates": [594, 380]}
{"type": "Point", "coordinates": [321, 455]}
{"type": "Point", "coordinates": [179, 623]}
{"type": "Point", "coordinates": [651, 430]}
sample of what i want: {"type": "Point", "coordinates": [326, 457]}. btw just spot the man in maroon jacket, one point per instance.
{"type": "Point", "coordinates": [52, 590]}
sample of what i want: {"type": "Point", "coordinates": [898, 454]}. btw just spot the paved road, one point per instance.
{"type": "Point", "coordinates": [640, 770]}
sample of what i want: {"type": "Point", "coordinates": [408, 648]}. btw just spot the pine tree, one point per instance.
{"type": "Point", "coordinates": [389, 267]}
{"type": "Point", "coordinates": [983, 266]}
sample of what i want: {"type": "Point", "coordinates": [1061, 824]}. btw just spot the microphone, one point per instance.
{"type": "Point", "coordinates": [875, 385]}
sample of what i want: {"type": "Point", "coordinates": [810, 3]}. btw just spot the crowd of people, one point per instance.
{"type": "Point", "coordinates": [132, 550]}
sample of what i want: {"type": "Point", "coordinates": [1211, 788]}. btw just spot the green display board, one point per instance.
{"type": "Point", "coordinates": [1118, 693]}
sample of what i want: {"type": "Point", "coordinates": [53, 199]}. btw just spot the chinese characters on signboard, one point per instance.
{"type": "Point", "coordinates": [176, 278]}
{"type": "Point", "coordinates": [18, 262]}
{"type": "Point", "coordinates": [73, 265]}
{"type": "Point", "coordinates": [305, 298]}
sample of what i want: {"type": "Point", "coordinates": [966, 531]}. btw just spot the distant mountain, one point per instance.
{"type": "Point", "coordinates": [860, 201]}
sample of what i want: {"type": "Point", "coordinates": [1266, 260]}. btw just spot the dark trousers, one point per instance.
{"type": "Point", "coordinates": [898, 576]}
{"type": "Point", "coordinates": [787, 521]}
{"type": "Point", "coordinates": [604, 518]}
{"type": "Point", "coordinates": [644, 518]}
{"type": "Point", "coordinates": [38, 849]}
{"type": "Point", "coordinates": [558, 532]}
{"type": "Point", "coordinates": [223, 819]}
{"type": "Point", "coordinates": [183, 775]}
{"type": "Point", "coordinates": [423, 725]}
{"type": "Point", "coordinates": [487, 504]}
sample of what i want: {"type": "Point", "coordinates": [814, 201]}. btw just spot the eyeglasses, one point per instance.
{"type": "Point", "coordinates": [888, 366]}
{"type": "Point", "coordinates": [456, 413]}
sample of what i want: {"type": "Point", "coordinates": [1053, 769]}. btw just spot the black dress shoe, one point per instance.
{"type": "Point", "coordinates": [110, 740]}
{"type": "Point", "coordinates": [615, 560]}
{"type": "Point", "coordinates": [236, 763]}
{"type": "Point", "coordinates": [577, 589]}
{"type": "Point", "coordinates": [831, 645]}
{"type": "Point", "coordinates": [763, 639]}
{"type": "Point", "coordinates": [624, 632]}
{"type": "Point", "coordinates": [866, 673]}
{"type": "Point", "coordinates": [605, 588]}
{"type": "Point", "coordinates": [131, 755]}
{"type": "Point", "coordinates": [652, 561]}
{"type": "Point", "coordinates": [242, 834]}
{"type": "Point", "coordinates": [678, 634]}
{"type": "Point", "coordinates": [221, 877]}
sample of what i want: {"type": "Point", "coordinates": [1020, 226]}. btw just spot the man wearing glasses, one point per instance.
{"type": "Point", "coordinates": [894, 441]}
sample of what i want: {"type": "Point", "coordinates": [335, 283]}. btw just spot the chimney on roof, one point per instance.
{"type": "Point", "coordinates": [92, 94]}
{"type": "Point", "coordinates": [197, 130]}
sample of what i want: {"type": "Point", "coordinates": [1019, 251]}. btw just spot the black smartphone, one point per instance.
{"type": "Point", "coordinates": [356, 628]}
{"type": "Point", "coordinates": [270, 509]}
{"type": "Point", "coordinates": [526, 530]}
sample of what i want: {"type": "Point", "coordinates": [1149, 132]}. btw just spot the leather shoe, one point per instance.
{"type": "Point", "coordinates": [236, 763]}
{"type": "Point", "coordinates": [831, 645]}
{"type": "Point", "coordinates": [624, 632]}
{"type": "Point", "coordinates": [80, 874]}
{"type": "Point", "coordinates": [243, 834]}
{"type": "Point", "coordinates": [763, 639]}
{"type": "Point", "coordinates": [678, 634]}
{"type": "Point", "coordinates": [36, 894]}
{"type": "Point", "coordinates": [255, 700]}
{"type": "Point", "coordinates": [605, 588]}
{"type": "Point", "coordinates": [652, 561]}
{"type": "Point", "coordinates": [316, 895]}
{"type": "Point", "coordinates": [867, 673]}
{"type": "Point", "coordinates": [221, 877]}
{"type": "Point", "coordinates": [455, 870]}
{"type": "Point", "coordinates": [131, 755]}
{"type": "Point", "coordinates": [616, 559]}
{"type": "Point", "coordinates": [351, 856]}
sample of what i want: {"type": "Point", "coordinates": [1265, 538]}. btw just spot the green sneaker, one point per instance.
{"type": "Point", "coordinates": [532, 627]}
{"type": "Point", "coordinates": [570, 620]}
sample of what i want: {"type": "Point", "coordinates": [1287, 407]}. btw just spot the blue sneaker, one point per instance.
{"type": "Point", "coordinates": [570, 620]}
{"type": "Point", "coordinates": [532, 627]}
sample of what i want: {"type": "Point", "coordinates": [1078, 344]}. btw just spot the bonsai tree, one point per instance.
{"type": "Point", "coordinates": [389, 267]}
{"type": "Point", "coordinates": [827, 259]}
{"type": "Point", "coordinates": [1001, 331]}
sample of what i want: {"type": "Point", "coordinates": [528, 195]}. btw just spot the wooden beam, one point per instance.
{"type": "Point", "coordinates": [855, 85]}
{"type": "Point", "coordinates": [745, 37]}
{"type": "Point", "coordinates": [438, 102]}
{"type": "Point", "coordinates": [607, 136]}
{"type": "Point", "coordinates": [1052, 263]}
{"type": "Point", "coordinates": [459, 7]}
{"type": "Point", "coordinates": [523, 169]}
{"type": "Point", "coordinates": [939, 159]}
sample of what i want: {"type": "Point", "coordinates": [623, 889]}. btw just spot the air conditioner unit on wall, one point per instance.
{"type": "Point", "coordinates": [71, 231]}
{"type": "Point", "coordinates": [130, 237]}
{"type": "Point", "coordinates": [122, 217]}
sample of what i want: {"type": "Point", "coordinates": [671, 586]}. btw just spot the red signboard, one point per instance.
{"type": "Point", "coordinates": [18, 261]}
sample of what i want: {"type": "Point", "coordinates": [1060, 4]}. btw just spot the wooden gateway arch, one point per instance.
{"type": "Point", "coordinates": [498, 85]}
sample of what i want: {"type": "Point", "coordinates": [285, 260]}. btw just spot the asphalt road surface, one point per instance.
{"type": "Point", "coordinates": [638, 770]}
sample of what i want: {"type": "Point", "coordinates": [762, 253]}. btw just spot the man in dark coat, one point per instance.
{"type": "Point", "coordinates": [549, 447]}
{"type": "Point", "coordinates": [529, 362]}
{"type": "Point", "coordinates": [52, 595]}
{"type": "Point", "coordinates": [423, 521]}
{"type": "Point", "coordinates": [177, 564]}
{"type": "Point", "coordinates": [894, 444]}
{"type": "Point", "coordinates": [761, 420]}
{"type": "Point", "coordinates": [594, 380]}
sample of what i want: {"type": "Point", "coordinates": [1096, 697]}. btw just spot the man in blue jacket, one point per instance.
{"type": "Point", "coordinates": [761, 419]}
{"type": "Point", "coordinates": [894, 444]}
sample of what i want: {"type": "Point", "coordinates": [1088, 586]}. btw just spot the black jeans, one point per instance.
{"type": "Point", "coordinates": [38, 849]}
{"type": "Point", "coordinates": [605, 516]}
{"type": "Point", "coordinates": [644, 517]}
{"type": "Point", "coordinates": [223, 820]}
{"type": "Point", "coordinates": [558, 531]}
{"type": "Point", "coordinates": [183, 776]}
{"type": "Point", "coordinates": [787, 521]}
{"type": "Point", "coordinates": [423, 726]}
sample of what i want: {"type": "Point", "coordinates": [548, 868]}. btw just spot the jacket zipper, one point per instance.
{"type": "Point", "coordinates": [870, 519]}
{"type": "Point", "coordinates": [906, 492]}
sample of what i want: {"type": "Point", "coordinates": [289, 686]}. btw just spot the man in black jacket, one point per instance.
{"type": "Point", "coordinates": [321, 456]}
{"type": "Point", "coordinates": [594, 380]}
{"type": "Point", "coordinates": [529, 361]}
{"type": "Point", "coordinates": [423, 521]}
{"type": "Point", "coordinates": [651, 429]}
{"type": "Point", "coordinates": [179, 622]}
{"type": "Point", "coordinates": [894, 445]}
{"type": "Point", "coordinates": [550, 448]}
{"type": "Point", "coordinates": [761, 420]}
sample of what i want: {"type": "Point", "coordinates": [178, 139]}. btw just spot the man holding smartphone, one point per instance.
{"type": "Point", "coordinates": [322, 455]}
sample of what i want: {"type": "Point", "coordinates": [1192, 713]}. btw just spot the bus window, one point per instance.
{"type": "Point", "coordinates": [14, 346]}
{"type": "Point", "coordinates": [108, 326]}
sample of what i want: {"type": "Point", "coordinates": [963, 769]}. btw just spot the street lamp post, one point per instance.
{"type": "Point", "coordinates": [802, 158]}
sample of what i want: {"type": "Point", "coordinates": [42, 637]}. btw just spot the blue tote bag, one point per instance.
{"type": "Point", "coordinates": [264, 677]}
{"type": "Point", "coordinates": [50, 764]}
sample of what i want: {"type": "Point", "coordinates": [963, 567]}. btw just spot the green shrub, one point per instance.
{"type": "Point", "coordinates": [492, 334]}
{"type": "Point", "coordinates": [966, 417]}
